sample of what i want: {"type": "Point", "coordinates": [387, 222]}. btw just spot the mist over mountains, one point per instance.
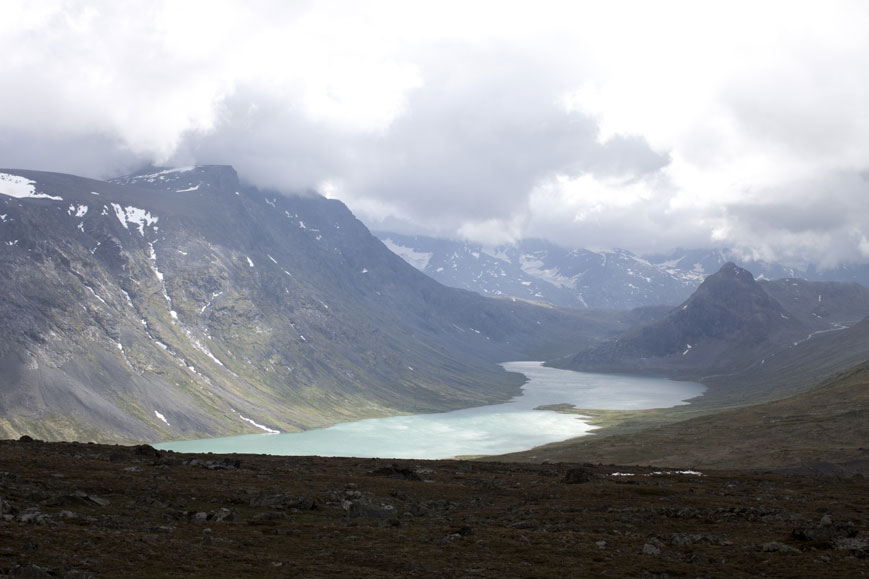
{"type": "Point", "coordinates": [538, 270]}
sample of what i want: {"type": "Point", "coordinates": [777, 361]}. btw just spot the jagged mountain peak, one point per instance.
{"type": "Point", "coordinates": [730, 269]}
{"type": "Point", "coordinates": [726, 303]}
{"type": "Point", "coordinates": [733, 290]}
{"type": "Point", "coordinates": [728, 322]}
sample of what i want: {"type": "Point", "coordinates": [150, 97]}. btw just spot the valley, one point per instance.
{"type": "Point", "coordinates": [180, 303]}
{"type": "Point", "coordinates": [524, 290]}
{"type": "Point", "coordinates": [484, 430]}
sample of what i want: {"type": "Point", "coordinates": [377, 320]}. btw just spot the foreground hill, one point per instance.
{"type": "Point", "coordinates": [178, 303]}
{"type": "Point", "coordinates": [78, 510]}
{"type": "Point", "coordinates": [825, 429]}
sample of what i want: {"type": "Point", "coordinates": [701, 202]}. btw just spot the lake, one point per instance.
{"type": "Point", "coordinates": [495, 429]}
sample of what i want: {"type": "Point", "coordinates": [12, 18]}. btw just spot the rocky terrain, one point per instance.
{"type": "Point", "coordinates": [87, 510]}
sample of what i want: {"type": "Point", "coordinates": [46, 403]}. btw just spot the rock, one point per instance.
{"type": "Point", "coordinates": [350, 507]}
{"type": "Point", "coordinates": [29, 571]}
{"type": "Point", "coordinates": [33, 516]}
{"type": "Point", "coordinates": [225, 464]}
{"type": "Point", "coordinates": [823, 532]}
{"type": "Point", "coordinates": [224, 514]}
{"type": "Point", "coordinates": [146, 450]}
{"type": "Point", "coordinates": [578, 476]}
{"type": "Point", "coordinates": [524, 524]}
{"type": "Point", "coordinates": [850, 544]}
{"type": "Point", "coordinates": [776, 547]}
{"type": "Point", "coordinates": [7, 508]}
{"type": "Point", "coordinates": [395, 471]}
{"type": "Point", "coordinates": [283, 501]}
{"type": "Point", "coordinates": [680, 539]}
{"type": "Point", "coordinates": [90, 499]}
{"type": "Point", "coordinates": [162, 529]}
{"type": "Point", "coordinates": [649, 549]}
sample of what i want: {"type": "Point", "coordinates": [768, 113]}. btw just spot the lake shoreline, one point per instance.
{"type": "Point", "coordinates": [516, 425]}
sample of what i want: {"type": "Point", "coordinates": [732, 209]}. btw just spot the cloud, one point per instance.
{"type": "Point", "coordinates": [626, 124]}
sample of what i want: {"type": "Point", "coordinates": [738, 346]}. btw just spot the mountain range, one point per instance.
{"type": "Point", "coordinates": [538, 270]}
{"type": "Point", "coordinates": [179, 303]}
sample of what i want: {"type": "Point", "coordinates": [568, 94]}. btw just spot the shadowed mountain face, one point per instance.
{"type": "Point", "coordinates": [832, 302]}
{"type": "Point", "coordinates": [179, 303]}
{"type": "Point", "coordinates": [727, 324]}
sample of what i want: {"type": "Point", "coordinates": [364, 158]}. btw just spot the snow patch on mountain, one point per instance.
{"type": "Point", "coordinates": [77, 210]}
{"type": "Point", "coordinates": [256, 424]}
{"type": "Point", "coordinates": [140, 218]}
{"type": "Point", "coordinates": [535, 267]}
{"type": "Point", "coordinates": [157, 176]}
{"type": "Point", "coordinates": [418, 259]}
{"type": "Point", "coordinates": [22, 188]}
{"type": "Point", "coordinates": [161, 417]}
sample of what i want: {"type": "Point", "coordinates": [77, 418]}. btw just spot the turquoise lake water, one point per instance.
{"type": "Point", "coordinates": [496, 429]}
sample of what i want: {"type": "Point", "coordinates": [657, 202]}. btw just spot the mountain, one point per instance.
{"type": "Point", "coordinates": [579, 278]}
{"type": "Point", "coordinates": [729, 322]}
{"type": "Point", "coordinates": [178, 303]}
{"type": "Point", "coordinates": [834, 302]}
{"type": "Point", "coordinates": [735, 336]}
{"type": "Point", "coordinates": [537, 270]}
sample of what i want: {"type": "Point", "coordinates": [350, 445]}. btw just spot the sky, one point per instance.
{"type": "Point", "coordinates": [638, 125]}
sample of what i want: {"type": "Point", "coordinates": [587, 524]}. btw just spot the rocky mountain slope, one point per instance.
{"type": "Point", "coordinates": [178, 303]}
{"type": "Point", "coordinates": [579, 278]}
{"type": "Point", "coordinates": [729, 323]}
{"type": "Point", "coordinates": [540, 271]}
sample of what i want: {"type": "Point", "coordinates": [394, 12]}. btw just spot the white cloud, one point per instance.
{"type": "Point", "coordinates": [633, 124]}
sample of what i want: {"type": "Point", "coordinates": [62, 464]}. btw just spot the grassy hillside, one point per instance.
{"type": "Point", "coordinates": [827, 425]}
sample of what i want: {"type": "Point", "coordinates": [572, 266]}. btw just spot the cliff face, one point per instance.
{"type": "Point", "coordinates": [178, 303]}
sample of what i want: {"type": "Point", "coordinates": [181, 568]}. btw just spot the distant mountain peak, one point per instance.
{"type": "Point", "coordinates": [724, 325]}
{"type": "Point", "coordinates": [731, 270]}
